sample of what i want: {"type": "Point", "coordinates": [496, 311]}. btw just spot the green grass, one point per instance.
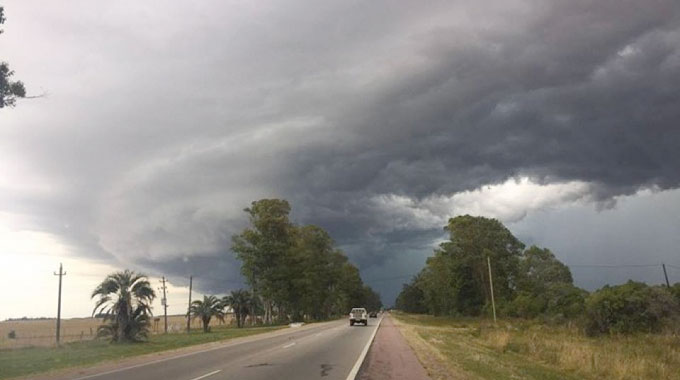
{"type": "Point", "coordinates": [27, 361]}
{"type": "Point", "coordinates": [478, 349]}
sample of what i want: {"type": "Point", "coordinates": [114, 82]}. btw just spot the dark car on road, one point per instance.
{"type": "Point", "coordinates": [373, 314]}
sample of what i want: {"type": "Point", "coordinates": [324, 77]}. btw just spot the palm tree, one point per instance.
{"type": "Point", "coordinates": [210, 307]}
{"type": "Point", "coordinates": [239, 300]}
{"type": "Point", "coordinates": [124, 299]}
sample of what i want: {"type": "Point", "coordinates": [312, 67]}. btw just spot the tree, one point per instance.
{"type": "Point", "coordinates": [539, 269]}
{"type": "Point", "coordinates": [296, 270]}
{"type": "Point", "coordinates": [545, 286]}
{"type": "Point", "coordinates": [10, 90]}
{"type": "Point", "coordinates": [124, 300]}
{"type": "Point", "coordinates": [206, 309]}
{"type": "Point", "coordinates": [456, 279]}
{"type": "Point", "coordinates": [264, 251]}
{"type": "Point", "coordinates": [411, 299]}
{"type": "Point", "coordinates": [240, 300]}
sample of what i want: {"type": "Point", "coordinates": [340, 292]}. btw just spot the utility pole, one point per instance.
{"type": "Point", "coordinates": [493, 303]}
{"type": "Point", "coordinates": [191, 278]}
{"type": "Point", "coordinates": [164, 302]}
{"type": "Point", "coordinates": [60, 274]}
{"type": "Point", "coordinates": [668, 284]}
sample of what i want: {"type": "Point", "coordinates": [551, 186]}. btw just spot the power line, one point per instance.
{"type": "Point", "coordinates": [613, 265]}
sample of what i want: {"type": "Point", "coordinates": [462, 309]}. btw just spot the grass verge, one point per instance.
{"type": "Point", "coordinates": [476, 349]}
{"type": "Point", "coordinates": [28, 361]}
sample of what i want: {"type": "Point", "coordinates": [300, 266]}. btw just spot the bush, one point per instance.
{"type": "Point", "coordinates": [675, 290]}
{"type": "Point", "coordinates": [560, 300]}
{"type": "Point", "coordinates": [566, 301]}
{"type": "Point", "coordinates": [525, 305]}
{"type": "Point", "coordinates": [627, 308]}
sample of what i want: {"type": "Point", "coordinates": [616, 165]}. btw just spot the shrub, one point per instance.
{"type": "Point", "coordinates": [565, 301]}
{"type": "Point", "coordinates": [559, 300]}
{"type": "Point", "coordinates": [627, 308]}
{"type": "Point", "coordinates": [675, 290]}
{"type": "Point", "coordinates": [526, 305]}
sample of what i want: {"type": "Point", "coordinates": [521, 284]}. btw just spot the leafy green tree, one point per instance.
{"type": "Point", "coordinates": [539, 269]}
{"type": "Point", "coordinates": [317, 275]}
{"type": "Point", "coordinates": [206, 309]}
{"type": "Point", "coordinates": [124, 301]}
{"type": "Point", "coordinates": [264, 250]}
{"type": "Point", "coordinates": [545, 287]}
{"type": "Point", "coordinates": [296, 270]}
{"type": "Point", "coordinates": [456, 279]}
{"type": "Point", "coordinates": [10, 90]}
{"type": "Point", "coordinates": [411, 299]}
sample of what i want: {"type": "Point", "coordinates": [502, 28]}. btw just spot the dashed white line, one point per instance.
{"type": "Point", "coordinates": [289, 345]}
{"type": "Point", "coordinates": [207, 374]}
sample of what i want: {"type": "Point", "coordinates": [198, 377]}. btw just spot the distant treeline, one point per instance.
{"type": "Point", "coordinates": [27, 319]}
{"type": "Point", "coordinates": [527, 283]}
{"type": "Point", "coordinates": [296, 271]}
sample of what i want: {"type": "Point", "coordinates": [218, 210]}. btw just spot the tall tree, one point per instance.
{"type": "Point", "coordinates": [206, 309]}
{"type": "Point", "coordinates": [411, 299]}
{"type": "Point", "coordinates": [10, 90]}
{"type": "Point", "coordinates": [456, 278]}
{"type": "Point", "coordinates": [124, 300]}
{"type": "Point", "coordinates": [539, 269]}
{"type": "Point", "coordinates": [264, 250]}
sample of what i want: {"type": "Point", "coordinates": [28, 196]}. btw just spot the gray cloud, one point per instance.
{"type": "Point", "coordinates": [164, 121]}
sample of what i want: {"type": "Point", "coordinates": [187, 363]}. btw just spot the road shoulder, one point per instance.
{"type": "Point", "coordinates": [390, 357]}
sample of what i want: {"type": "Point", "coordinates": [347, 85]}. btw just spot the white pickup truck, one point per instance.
{"type": "Point", "coordinates": [358, 315]}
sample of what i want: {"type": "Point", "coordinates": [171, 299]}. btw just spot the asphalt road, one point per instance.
{"type": "Point", "coordinates": [325, 351]}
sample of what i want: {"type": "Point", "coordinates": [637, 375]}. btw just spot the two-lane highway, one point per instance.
{"type": "Point", "coordinates": [324, 351]}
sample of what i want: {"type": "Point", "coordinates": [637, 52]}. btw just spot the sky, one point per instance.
{"type": "Point", "coordinates": [159, 122]}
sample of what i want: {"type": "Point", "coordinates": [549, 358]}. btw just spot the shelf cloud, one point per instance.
{"type": "Point", "coordinates": [377, 120]}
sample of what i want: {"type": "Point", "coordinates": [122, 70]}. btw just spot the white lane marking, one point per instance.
{"type": "Point", "coordinates": [289, 345]}
{"type": "Point", "coordinates": [256, 339]}
{"type": "Point", "coordinates": [355, 370]}
{"type": "Point", "coordinates": [207, 374]}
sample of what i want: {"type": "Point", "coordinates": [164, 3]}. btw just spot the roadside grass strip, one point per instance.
{"type": "Point", "coordinates": [34, 360]}
{"type": "Point", "coordinates": [466, 348]}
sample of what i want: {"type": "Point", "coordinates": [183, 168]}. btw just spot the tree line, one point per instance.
{"type": "Point", "coordinates": [527, 283]}
{"type": "Point", "coordinates": [296, 270]}
{"type": "Point", "coordinates": [295, 273]}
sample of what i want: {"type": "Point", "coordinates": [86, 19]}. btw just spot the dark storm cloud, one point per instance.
{"type": "Point", "coordinates": [162, 126]}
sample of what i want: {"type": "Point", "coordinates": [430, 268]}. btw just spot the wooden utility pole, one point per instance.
{"type": "Point", "coordinates": [493, 303]}
{"type": "Point", "coordinates": [164, 301]}
{"type": "Point", "coordinates": [191, 278]}
{"type": "Point", "coordinates": [60, 274]}
{"type": "Point", "coordinates": [668, 284]}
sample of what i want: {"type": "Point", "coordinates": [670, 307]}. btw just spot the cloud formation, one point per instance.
{"type": "Point", "coordinates": [376, 120]}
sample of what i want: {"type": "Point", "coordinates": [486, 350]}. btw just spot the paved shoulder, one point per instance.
{"type": "Point", "coordinates": [390, 357]}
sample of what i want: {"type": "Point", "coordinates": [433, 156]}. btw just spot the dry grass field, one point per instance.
{"type": "Point", "coordinates": [42, 333]}
{"type": "Point", "coordinates": [476, 349]}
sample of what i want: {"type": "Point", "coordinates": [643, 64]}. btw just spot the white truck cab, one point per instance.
{"type": "Point", "coordinates": [358, 315]}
